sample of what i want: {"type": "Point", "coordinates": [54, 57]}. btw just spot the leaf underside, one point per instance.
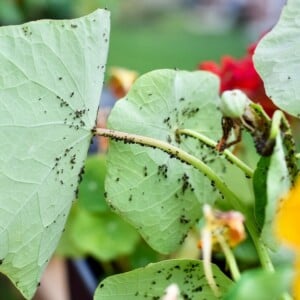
{"type": "Point", "coordinates": [151, 282]}
{"type": "Point", "coordinates": [277, 60]}
{"type": "Point", "coordinates": [51, 78]}
{"type": "Point", "coordinates": [158, 194]}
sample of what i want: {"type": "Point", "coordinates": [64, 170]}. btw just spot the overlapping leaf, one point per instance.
{"type": "Point", "coordinates": [277, 60]}
{"type": "Point", "coordinates": [273, 185]}
{"type": "Point", "coordinates": [50, 81]}
{"type": "Point", "coordinates": [151, 282]}
{"type": "Point", "coordinates": [158, 194]}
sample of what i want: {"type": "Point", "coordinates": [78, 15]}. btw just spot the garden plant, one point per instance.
{"type": "Point", "coordinates": [182, 158]}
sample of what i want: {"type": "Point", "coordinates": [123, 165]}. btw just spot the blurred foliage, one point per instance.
{"type": "Point", "coordinates": [145, 35]}
{"type": "Point", "coordinates": [8, 290]}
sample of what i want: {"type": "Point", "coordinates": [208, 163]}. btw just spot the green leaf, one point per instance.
{"type": "Point", "coordinates": [278, 184]}
{"type": "Point", "coordinates": [151, 282]}
{"type": "Point", "coordinates": [50, 81]}
{"type": "Point", "coordinates": [91, 189]}
{"type": "Point", "coordinates": [260, 189]}
{"type": "Point", "coordinates": [262, 285]}
{"type": "Point", "coordinates": [67, 247]}
{"type": "Point", "coordinates": [276, 60]}
{"type": "Point", "coordinates": [158, 194]}
{"type": "Point", "coordinates": [104, 236]}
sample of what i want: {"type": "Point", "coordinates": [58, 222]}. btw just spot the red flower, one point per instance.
{"type": "Point", "coordinates": [240, 74]}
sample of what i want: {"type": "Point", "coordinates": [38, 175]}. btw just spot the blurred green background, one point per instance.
{"type": "Point", "coordinates": [145, 34]}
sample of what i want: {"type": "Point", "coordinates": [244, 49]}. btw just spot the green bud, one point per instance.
{"type": "Point", "coordinates": [233, 103]}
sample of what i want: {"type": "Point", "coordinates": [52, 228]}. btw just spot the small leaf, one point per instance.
{"type": "Point", "coordinates": [151, 282]}
{"type": "Point", "coordinates": [277, 60]}
{"type": "Point", "coordinates": [158, 194]}
{"type": "Point", "coordinates": [50, 81]}
{"type": "Point", "coordinates": [262, 285]}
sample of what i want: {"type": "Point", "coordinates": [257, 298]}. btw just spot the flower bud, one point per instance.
{"type": "Point", "coordinates": [233, 103]}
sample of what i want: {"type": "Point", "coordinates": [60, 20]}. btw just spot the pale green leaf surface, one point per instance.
{"type": "Point", "coordinates": [278, 183]}
{"type": "Point", "coordinates": [50, 82]}
{"type": "Point", "coordinates": [160, 195]}
{"type": "Point", "coordinates": [151, 282]}
{"type": "Point", "coordinates": [277, 60]}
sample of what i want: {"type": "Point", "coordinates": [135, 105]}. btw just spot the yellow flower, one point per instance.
{"type": "Point", "coordinates": [287, 228]}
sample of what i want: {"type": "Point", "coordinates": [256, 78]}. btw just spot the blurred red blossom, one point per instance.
{"type": "Point", "coordinates": [241, 74]}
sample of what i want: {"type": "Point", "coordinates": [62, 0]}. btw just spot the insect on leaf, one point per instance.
{"type": "Point", "coordinates": [51, 77]}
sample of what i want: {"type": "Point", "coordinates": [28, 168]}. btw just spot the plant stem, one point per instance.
{"type": "Point", "coordinates": [185, 157]}
{"type": "Point", "coordinates": [209, 142]}
{"type": "Point", "coordinates": [207, 244]}
{"type": "Point", "coordinates": [235, 272]}
{"type": "Point", "coordinates": [178, 153]}
{"type": "Point", "coordinates": [261, 249]}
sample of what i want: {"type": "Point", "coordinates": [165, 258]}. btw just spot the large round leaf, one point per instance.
{"type": "Point", "coordinates": [151, 282]}
{"type": "Point", "coordinates": [158, 194]}
{"type": "Point", "coordinates": [50, 81]}
{"type": "Point", "coordinates": [277, 60]}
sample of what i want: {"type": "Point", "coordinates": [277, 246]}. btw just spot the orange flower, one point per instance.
{"type": "Point", "coordinates": [121, 81]}
{"type": "Point", "coordinates": [287, 228]}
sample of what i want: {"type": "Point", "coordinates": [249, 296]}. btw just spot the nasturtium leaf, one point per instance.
{"type": "Point", "coordinates": [67, 247]}
{"type": "Point", "coordinates": [277, 185]}
{"type": "Point", "coordinates": [91, 189]}
{"type": "Point", "coordinates": [277, 60]}
{"type": "Point", "coordinates": [261, 284]}
{"type": "Point", "coordinates": [158, 194]}
{"type": "Point", "coordinates": [51, 77]}
{"type": "Point", "coordinates": [105, 236]}
{"type": "Point", "coordinates": [151, 282]}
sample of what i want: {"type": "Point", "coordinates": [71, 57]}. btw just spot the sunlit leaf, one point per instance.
{"type": "Point", "coordinates": [160, 195]}
{"type": "Point", "coordinates": [151, 282]}
{"type": "Point", "coordinates": [277, 60]}
{"type": "Point", "coordinates": [50, 81]}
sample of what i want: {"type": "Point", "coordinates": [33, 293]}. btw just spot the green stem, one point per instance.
{"type": "Point", "coordinates": [178, 153]}
{"type": "Point", "coordinates": [228, 154]}
{"type": "Point", "coordinates": [183, 156]}
{"type": "Point", "coordinates": [235, 272]}
{"type": "Point", "coordinates": [262, 251]}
